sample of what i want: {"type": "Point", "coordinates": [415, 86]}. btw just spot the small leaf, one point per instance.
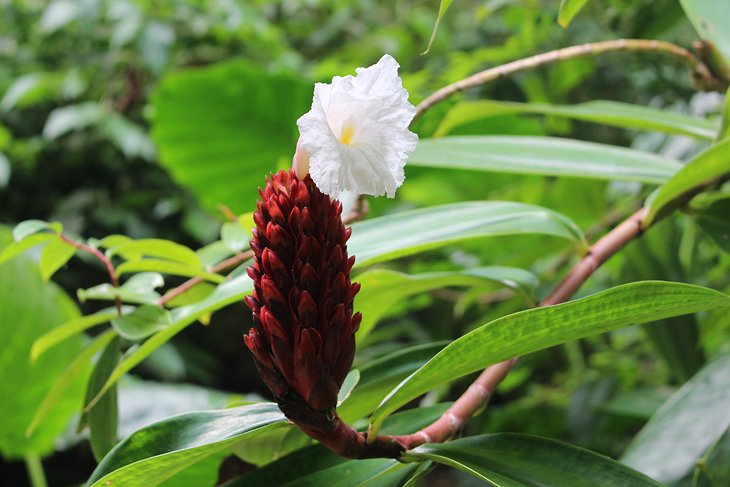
{"type": "Point", "coordinates": [73, 117]}
{"type": "Point", "coordinates": [725, 125]}
{"type": "Point", "coordinates": [78, 364]}
{"type": "Point", "coordinates": [142, 322]}
{"type": "Point", "coordinates": [14, 249]}
{"type": "Point", "coordinates": [515, 460]}
{"type": "Point", "coordinates": [163, 249]}
{"type": "Point", "coordinates": [410, 232]}
{"type": "Point", "coordinates": [71, 328]}
{"type": "Point", "coordinates": [54, 256]}
{"type": "Point", "coordinates": [443, 7]}
{"type": "Point", "coordinates": [675, 438]}
{"type": "Point", "coordinates": [568, 10]}
{"type": "Point", "coordinates": [107, 292]}
{"type": "Point", "coordinates": [29, 227]}
{"type": "Point", "coordinates": [548, 156]}
{"type": "Point", "coordinates": [704, 168]}
{"type": "Point", "coordinates": [103, 418]}
{"type": "Point", "coordinates": [528, 331]}
{"type": "Point", "coordinates": [235, 236]}
{"type": "Point", "coordinates": [144, 282]}
{"type": "Point", "coordinates": [168, 267]}
{"type": "Point", "coordinates": [157, 452]}
{"type": "Point", "coordinates": [353, 377]}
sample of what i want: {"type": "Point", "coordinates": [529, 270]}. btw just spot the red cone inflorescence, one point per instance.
{"type": "Point", "coordinates": [303, 339]}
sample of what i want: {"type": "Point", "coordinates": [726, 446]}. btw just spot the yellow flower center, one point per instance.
{"type": "Point", "coordinates": [348, 131]}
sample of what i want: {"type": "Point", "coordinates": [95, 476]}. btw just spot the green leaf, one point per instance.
{"type": "Point", "coordinates": [515, 460]}
{"type": "Point", "coordinates": [443, 7]}
{"type": "Point", "coordinates": [54, 256]}
{"type": "Point", "coordinates": [142, 322]}
{"type": "Point", "coordinates": [29, 227]}
{"type": "Point", "coordinates": [547, 156]}
{"type": "Point", "coordinates": [108, 292]}
{"type": "Point", "coordinates": [351, 380]}
{"type": "Point", "coordinates": [128, 137]}
{"type": "Point", "coordinates": [714, 467]}
{"type": "Point", "coordinates": [568, 10]}
{"type": "Point", "coordinates": [163, 249]}
{"type": "Point", "coordinates": [410, 232]}
{"type": "Point", "coordinates": [710, 19]}
{"type": "Point", "coordinates": [715, 222]}
{"type": "Point", "coordinates": [382, 288]}
{"type": "Point", "coordinates": [69, 329]}
{"type": "Point", "coordinates": [707, 166]}
{"type": "Point", "coordinates": [157, 452]}
{"type": "Point", "coordinates": [168, 267]}
{"type": "Point", "coordinates": [379, 376]}
{"type": "Point", "coordinates": [16, 248]}
{"type": "Point", "coordinates": [227, 293]}
{"type": "Point", "coordinates": [617, 114]}
{"type": "Point", "coordinates": [235, 236]}
{"type": "Point", "coordinates": [670, 444]}
{"type": "Point", "coordinates": [29, 308]}
{"type": "Point", "coordinates": [77, 368]}
{"type": "Point", "coordinates": [725, 124]}
{"type": "Point", "coordinates": [73, 117]}
{"type": "Point", "coordinates": [220, 129]}
{"type": "Point", "coordinates": [539, 328]}
{"type": "Point", "coordinates": [103, 418]}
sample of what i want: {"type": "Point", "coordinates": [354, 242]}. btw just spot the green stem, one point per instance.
{"type": "Point", "coordinates": [35, 470]}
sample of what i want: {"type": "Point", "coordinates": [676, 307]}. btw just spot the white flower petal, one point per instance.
{"type": "Point", "coordinates": [356, 134]}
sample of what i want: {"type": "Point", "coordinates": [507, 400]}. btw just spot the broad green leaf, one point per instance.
{"type": "Point", "coordinates": [528, 331]}
{"type": "Point", "coordinates": [168, 267]}
{"type": "Point", "coordinates": [29, 227]}
{"type": "Point", "coordinates": [103, 418]}
{"type": "Point", "coordinates": [568, 10]}
{"type": "Point", "coordinates": [77, 368]}
{"type": "Point", "coordinates": [516, 460]}
{"type": "Point", "coordinates": [670, 444]}
{"type": "Point", "coordinates": [547, 156]}
{"type": "Point", "coordinates": [707, 166]}
{"type": "Point", "coordinates": [443, 7]}
{"type": "Point", "coordinates": [157, 452]}
{"type": "Point", "coordinates": [54, 256]}
{"type": "Point", "coordinates": [110, 293]}
{"type": "Point", "coordinates": [710, 19]}
{"type": "Point", "coordinates": [714, 467]}
{"type": "Point", "coordinates": [410, 232]}
{"type": "Point", "coordinates": [14, 249]}
{"type": "Point", "coordinates": [71, 328]}
{"type": "Point", "coordinates": [617, 114]}
{"type": "Point", "coordinates": [220, 129]}
{"type": "Point", "coordinates": [29, 308]}
{"type": "Point", "coordinates": [227, 293]}
{"type": "Point", "coordinates": [158, 248]}
{"type": "Point", "coordinates": [382, 288]}
{"type": "Point", "coordinates": [379, 376]}
{"type": "Point", "coordinates": [142, 322]}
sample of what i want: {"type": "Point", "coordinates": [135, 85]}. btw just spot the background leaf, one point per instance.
{"type": "Point", "coordinates": [534, 329]}
{"type": "Point", "coordinates": [544, 156]}
{"type": "Point", "coordinates": [513, 460]}
{"type": "Point", "coordinates": [218, 138]}
{"type": "Point", "coordinates": [670, 444]}
{"type": "Point", "coordinates": [709, 19]}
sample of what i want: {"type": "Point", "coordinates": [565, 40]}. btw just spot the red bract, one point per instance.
{"type": "Point", "coordinates": [303, 339]}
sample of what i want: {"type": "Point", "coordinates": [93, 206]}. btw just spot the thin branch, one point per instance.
{"type": "Point", "coordinates": [190, 283]}
{"type": "Point", "coordinates": [105, 261]}
{"type": "Point", "coordinates": [478, 394]}
{"type": "Point", "coordinates": [700, 71]}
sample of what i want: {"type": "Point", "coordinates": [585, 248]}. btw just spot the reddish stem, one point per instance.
{"type": "Point", "coordinates": [190, 283]}
{"type": "Point", "coordinates": [106, 262]}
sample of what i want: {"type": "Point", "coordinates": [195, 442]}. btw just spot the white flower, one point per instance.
{"type": "Point", "coordinates": [356, 135]}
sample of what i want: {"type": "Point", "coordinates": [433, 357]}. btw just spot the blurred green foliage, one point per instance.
{"type": "Point", "coordinates": [141, 118]}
